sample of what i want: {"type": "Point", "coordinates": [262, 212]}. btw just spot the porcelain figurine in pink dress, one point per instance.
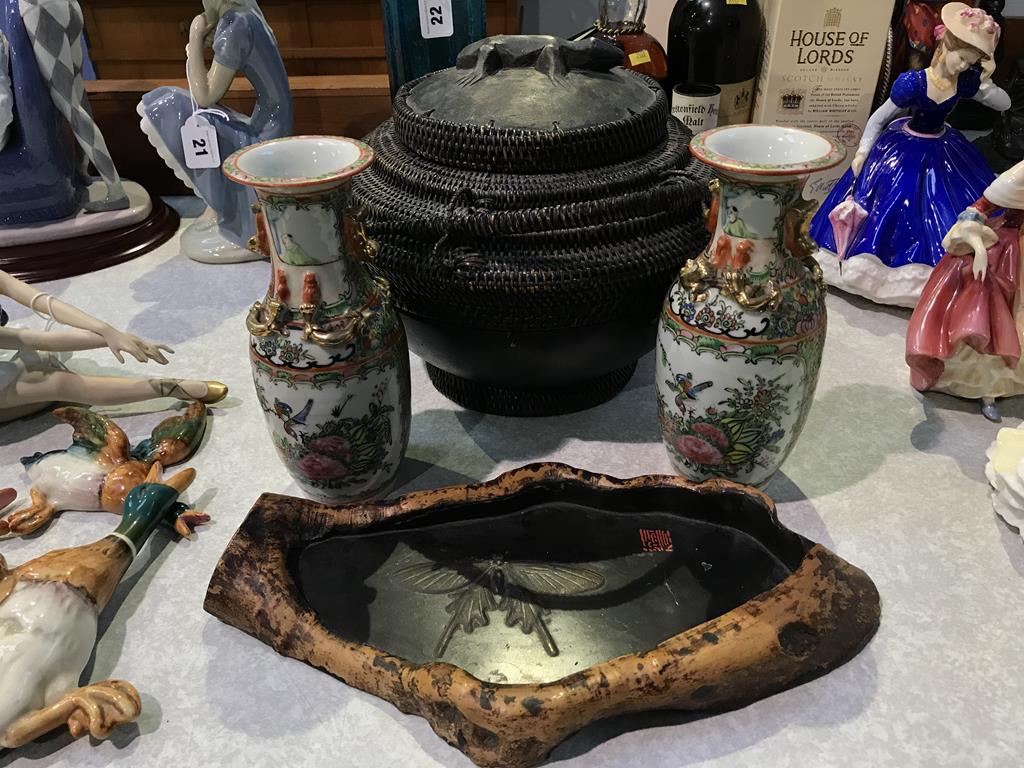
{"type": "Point", "coordinates": [965, 335]}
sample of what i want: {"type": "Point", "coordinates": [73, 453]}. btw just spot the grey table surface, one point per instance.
{"type": "Point", "coordinates": [891, 480]}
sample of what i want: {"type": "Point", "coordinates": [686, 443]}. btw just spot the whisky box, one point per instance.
{"type": "Point", "coordinates": [820, 70]}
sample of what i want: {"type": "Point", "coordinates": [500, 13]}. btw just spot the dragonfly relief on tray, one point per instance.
{"type": "Point", "coordinates": [476, 587]}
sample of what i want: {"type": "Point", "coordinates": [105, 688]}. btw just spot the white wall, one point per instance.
{"type": "Point", "coordinates": [658, 12]}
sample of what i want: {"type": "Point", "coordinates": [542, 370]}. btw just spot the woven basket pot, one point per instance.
{"type": "Point", "coordinates": [530, 208]}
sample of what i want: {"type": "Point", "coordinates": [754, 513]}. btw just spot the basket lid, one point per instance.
{"type": "Point", "coordinates": [532, 102]}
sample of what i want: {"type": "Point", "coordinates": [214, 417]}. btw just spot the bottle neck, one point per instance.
{"type": "Point", "coordinates": [621, 17]}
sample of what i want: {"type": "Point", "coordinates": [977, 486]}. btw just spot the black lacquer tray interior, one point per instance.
{"type": "Point", "coordinates": [532, 588]}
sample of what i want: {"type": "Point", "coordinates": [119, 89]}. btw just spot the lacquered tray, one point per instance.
{"type": "Point", "coordinates": [512, 613]}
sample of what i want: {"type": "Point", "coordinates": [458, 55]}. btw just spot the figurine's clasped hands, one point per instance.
{"type": "Point", "coordinates": [120, 342]}
{"type": "Point", "coordinates": [971, 235]}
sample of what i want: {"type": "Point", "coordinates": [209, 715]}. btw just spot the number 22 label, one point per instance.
{"type": "Point", "coordinates": [436, 18]}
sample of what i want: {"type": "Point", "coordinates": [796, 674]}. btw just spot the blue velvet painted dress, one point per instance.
{"type": "Point", "coordinates": [39, 178]}
{"type": "Point", "coordinates": [918, 177]}
{"type": "Point", "coordinates": [243, 43]}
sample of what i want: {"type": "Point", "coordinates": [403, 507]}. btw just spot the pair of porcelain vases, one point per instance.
{"type": "Point", "coordinates": [739, 343]}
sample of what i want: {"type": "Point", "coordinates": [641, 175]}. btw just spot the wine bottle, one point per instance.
{"type": "Point", "coordinates": [423, 36]}
{"type": "Point", "coordinates": [717, 42]}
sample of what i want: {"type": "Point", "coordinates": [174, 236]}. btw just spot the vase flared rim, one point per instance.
{"type": "Point", "coordinates": [342, 159]}
{"type": "Point", "coordinates": [766, 150]}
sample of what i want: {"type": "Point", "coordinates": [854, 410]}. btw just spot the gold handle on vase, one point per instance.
{"type": "Point", "coordinates": [264, 320]}
{"type": "Point", "coordinates": [313, 331]}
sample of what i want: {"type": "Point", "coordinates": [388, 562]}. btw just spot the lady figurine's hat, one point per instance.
{"type": "Point", "coordinates": [971, 25]}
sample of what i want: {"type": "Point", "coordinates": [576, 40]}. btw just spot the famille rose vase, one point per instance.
{"type": "Point", "coordinates": [329, 354]}
{"type": "Point", "coordinates": [743, 327]}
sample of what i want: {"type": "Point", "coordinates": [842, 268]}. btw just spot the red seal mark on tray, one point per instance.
{"type": "Point", "coordinates": [655, 540]}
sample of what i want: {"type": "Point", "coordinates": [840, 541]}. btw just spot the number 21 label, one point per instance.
{"type": "Point", "coordinates": [199, 142]}
{"type": "Point", "coordinates": [436, 18]}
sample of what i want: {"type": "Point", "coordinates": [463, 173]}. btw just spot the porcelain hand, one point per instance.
{"type": "Point", "coordinates": [95, 709]}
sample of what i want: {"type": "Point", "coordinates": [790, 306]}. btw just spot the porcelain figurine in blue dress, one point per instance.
{"type": "Point", "coordinates": [39, 179]}
{"type": "Point", "coordinates": [242, 41]}
{"type": "Point", "coordinates": [912, 175]}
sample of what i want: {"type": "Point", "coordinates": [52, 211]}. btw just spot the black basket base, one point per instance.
{"type": "Point", "coordinates": [506, 401]}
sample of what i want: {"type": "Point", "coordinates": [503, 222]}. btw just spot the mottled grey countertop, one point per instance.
{"type": "Point", "coordinates": [890, 480]}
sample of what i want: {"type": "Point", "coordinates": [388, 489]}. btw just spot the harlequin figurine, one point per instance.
{"type": "Point", "coordinates": [912, 175]}
{"type": "Point", "coordinates": [965, 334]}
{"type": "Point", "coordinates": [49, 609]}
{"type": "Point", "coordinates": [242, 43]}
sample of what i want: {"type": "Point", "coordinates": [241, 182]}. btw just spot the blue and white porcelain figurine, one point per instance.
{"type": "Point", "coordinates": [38, 178]}
{"type": "Point", "coordinates": [912, 176]}
{"type": "Point", "coordinates": [242, 41]}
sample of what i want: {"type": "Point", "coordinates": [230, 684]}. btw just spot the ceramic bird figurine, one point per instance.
{"type": "Point", "coordinates": [48, 613]}
{"type": "Point", "coordinates": [100, 467]}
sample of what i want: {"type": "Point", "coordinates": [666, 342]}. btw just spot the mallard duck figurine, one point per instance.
{"type": "Point", "coordinates": [100, 467]}
{"type": "Point", "coordinates": [48, 616]}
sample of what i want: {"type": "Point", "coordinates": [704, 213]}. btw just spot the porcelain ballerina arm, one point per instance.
{"type": "Point", "coordinates": [207, 87]}
{"type": "Point", "coordinates": [86, 332]}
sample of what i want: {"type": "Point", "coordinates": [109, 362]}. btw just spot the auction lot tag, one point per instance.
{"type": "Point", "coordinates": [199, 140]}
{"type": "Point", "coordinates": [436, 18]}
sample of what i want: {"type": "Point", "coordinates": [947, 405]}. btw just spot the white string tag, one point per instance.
{"type": "Point", "coordinates": [436, 19]}
{"type": "Point", "coordinates": [199, 141]}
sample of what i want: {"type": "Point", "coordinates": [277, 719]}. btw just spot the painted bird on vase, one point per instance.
{"type": "Point", "coordinates": [686, 390]}
{"type": "Point", "coordinates": [283, 411]}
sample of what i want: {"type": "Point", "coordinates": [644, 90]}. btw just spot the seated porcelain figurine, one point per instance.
{"type": "Point", "coordinates": [913, 175]}
{"type": "Point", "coordinates": [964, 337]}
{"type": "Point", "coordinates": [32, 370]}
{"type": "Point", "coordinates": [242, 41]}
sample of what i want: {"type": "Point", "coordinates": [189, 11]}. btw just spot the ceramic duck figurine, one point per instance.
{"type": "Point", "coordinates": [100, 468]}
{"type": "Point", "coordinates": [48, 611]}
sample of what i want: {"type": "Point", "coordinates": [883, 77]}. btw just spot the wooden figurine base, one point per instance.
{"type": "Point", "coordinates": [71, 256]}
{"type": "Point", "coordinates": [617, 596]}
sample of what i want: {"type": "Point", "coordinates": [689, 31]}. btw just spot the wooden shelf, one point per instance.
{"type": "Point", "coordinates": [302, 86]}
{"type": "Point", "coordinates": [338, 105]}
